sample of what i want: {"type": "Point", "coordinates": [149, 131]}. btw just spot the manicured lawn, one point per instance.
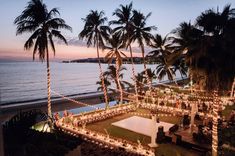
{"type": "Point", "coordinates": [119, 132]}
{"type": "Point", "coordinates": [126, 134]}
{"type": "Point", "coordinates": [163, 149]}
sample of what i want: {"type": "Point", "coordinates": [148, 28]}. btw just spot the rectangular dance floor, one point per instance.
{"type": "Point", "coordinates": [141, 125]}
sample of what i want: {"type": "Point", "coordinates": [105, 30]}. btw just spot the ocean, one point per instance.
{"type": "Point", "coordinates": [22, 82]}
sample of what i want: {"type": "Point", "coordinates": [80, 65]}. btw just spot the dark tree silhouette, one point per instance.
{"type": "Point", "coordinates": [44, 26]}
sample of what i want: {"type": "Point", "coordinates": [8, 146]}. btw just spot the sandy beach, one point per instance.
{"type": "Point", "coordinates": [7, 111]}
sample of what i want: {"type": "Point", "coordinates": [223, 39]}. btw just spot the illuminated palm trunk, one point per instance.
{"type": "Point", "coordinates": [102, 78]}
{"type": "Point", "coordinates": [118, 81]}
{"type": "Point", "coordinates": [48, 87]}
{"type": "Point", "coordinates": [133, 73]}
{"type": "Point", "coordinates": [145, 69]}
{"type": "Point", "coordinates": [215, 125]}
{"type": "Point", "coordinates": [232, 94]}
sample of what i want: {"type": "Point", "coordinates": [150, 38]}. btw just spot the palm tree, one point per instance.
{"type": "Point", "coordinates": [96, 33]}
{"type": "Point", "coordinates": [209, 45]}
{"type": "Point", "coordinates": [115, 53]}
{"type": "Point", "coordinates": [150, 73]}
{"type": "Point", "coordinates": [141, 34]}
{"type": "Point", "coordinates": [140, 82]}
{"type": "Point", "coordinates": [124, 29]}
{"type": "Point", "coordinates": [106, 82]}
{"type": "Point", "coordinates": [111, 75]}
{"type": "Point", "coordinates": [214, 26]}
{"type": "Point", "coordinates": [162, 55]}
{"type": "Point", "coordinates": [164, 68]}
{"type": "Point", "coordinates": [44, 25]}
{"type": "Point", "coordinates": [180, 65]}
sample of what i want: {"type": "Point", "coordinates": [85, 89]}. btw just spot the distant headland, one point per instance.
{"type": "Point", "coordinates": [127, 60]}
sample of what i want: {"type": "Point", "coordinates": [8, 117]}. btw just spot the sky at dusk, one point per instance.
{"type": "Point", "coordinates": [166, 15]}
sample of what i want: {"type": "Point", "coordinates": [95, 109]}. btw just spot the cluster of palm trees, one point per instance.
{"type": "Point", "coordinates": [130, 27]}
{"type": "Point", "coordinates": [111, 78]}
{"type": "Point", "coordinates": [206, 48]}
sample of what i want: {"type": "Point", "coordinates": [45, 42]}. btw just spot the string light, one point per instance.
{"type": "Point", "coordinates": [49, 92]}
{"type": "Point", "coordinates": [152, 106]}
{"type": "Point", "coordinates": [103, 139]}
{"type": "Point", "coordinates": [215, 125]}
{"type": "Point", "coordinates": [72, 100]}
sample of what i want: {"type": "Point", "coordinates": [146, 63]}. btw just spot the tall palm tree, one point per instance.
{"type": "Point", "coordinates": [142, 34]}
{"type": "Point", "coordinates": [162, 53]}
{"type": "Point", "coordinates": [96, 33]}
{"type": "Point", "coordinates": [44, 25]}
{"type": "Point", "coordinates": [124, 29]}
{"type": "Point", "coordinates": [115, 53]}
{"type": "Point", "coordinates": [209, 44]}
{"type": "Point", "coordinates": [215, 24]}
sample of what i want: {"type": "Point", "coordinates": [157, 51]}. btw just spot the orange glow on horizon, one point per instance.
{"type": "Point", "coordinates": [63, 52]}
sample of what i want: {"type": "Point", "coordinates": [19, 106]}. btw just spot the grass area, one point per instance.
{"type": "Point", "coordinates": [126, 134]}
{"type": "Point", "coordinates": [163, 149]}
{"type": "Point", "coordinates": [119, 132]}
{"type": "Point", "coordinates": [228, 109]}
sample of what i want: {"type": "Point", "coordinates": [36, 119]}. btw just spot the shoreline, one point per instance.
{"type": "Point", "coordinates": [57, 104]}
{"type": "Point", "coordinates": [44, 100]}
{"type": "Point", "coordinates": [72, 96]}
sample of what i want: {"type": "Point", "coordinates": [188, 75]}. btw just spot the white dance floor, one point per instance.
{"type": "Point", "coordinates": [140, 125]}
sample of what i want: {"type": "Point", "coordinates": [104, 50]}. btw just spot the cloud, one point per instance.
{"type": "Point", "coordinates": [137, 49]}
{"type": "Point", "coordinates": [74, 41]}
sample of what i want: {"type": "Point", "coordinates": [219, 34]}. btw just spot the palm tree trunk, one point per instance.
{"type": "Point", "coordinates": [102, 77]}
{"type": "Point", "coordinates": [119, 84]}
{"type": "Point", "coordinates": [172, 75]}
{"type": "Point", "coordinates": [48, 86]}
{"type": "Point", "coordinates": [215, 125]}
{"type": "Point", "coordinates": [133, 74]}
{"type": "Point", "coordinates": [232, 94]}
{"type": "Point", "coordinates": [145, 69]}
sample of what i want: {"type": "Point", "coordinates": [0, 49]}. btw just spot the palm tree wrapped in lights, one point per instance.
{"type": "Point", "coordinates": [110, 74]}
{"type": "Point", "coordinates": [124, 29]}
{"type": "Point", "coordinates": [44, 25]}
{"type": "Point", "coordinates": [115, 53]}
{"type": "Point", "coordinates": [209, 46]}
{"type": "Point", "coordinates": [96, 33]}
{"type": "Point", "coordinates": [142, 34]}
